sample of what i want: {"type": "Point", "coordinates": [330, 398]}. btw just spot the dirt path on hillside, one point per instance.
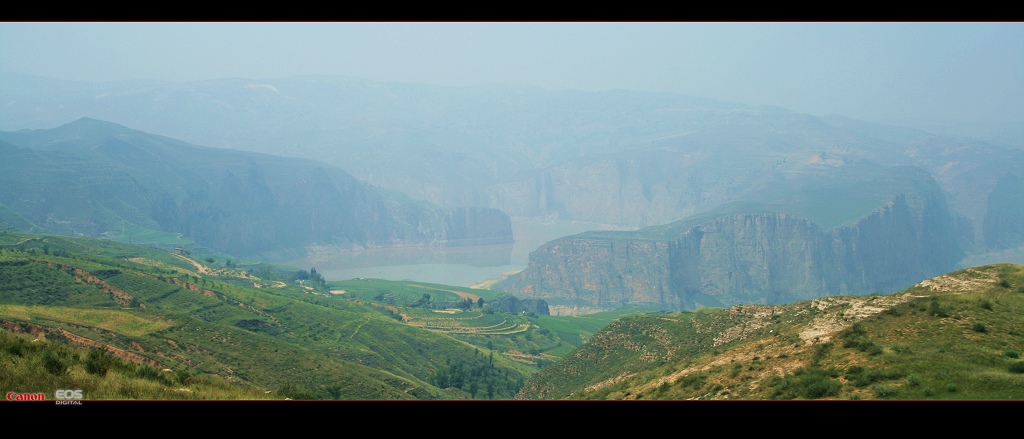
{"type": "Point", "coordinates": [199, 267]}
{"type": "Point", "coordinates": [202, 269]}
{"type": "Point", "coordinates": [487, 283]}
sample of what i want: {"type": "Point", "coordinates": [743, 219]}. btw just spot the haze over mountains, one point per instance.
{"type": "Point", "coordinates": [621, 158]}
{"type": "Point", "coordinates": [95, 178]}
{"type": "Point", "coordinates": [525, 150]}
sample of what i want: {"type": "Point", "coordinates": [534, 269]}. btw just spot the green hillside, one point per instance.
{"type": "Point", "coordinates": [956, 336]}
{"type": "Point", "coordinates": [33, 366]}
{"type": "Point", "coordinates": [518, 331]}
{"type": "Point", "coordinates": [171, 311]}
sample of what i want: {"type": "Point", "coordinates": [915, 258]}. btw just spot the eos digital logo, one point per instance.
{"type": "Point", "coordinates": [68, 394]}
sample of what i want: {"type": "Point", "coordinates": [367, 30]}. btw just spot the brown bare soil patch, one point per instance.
{"type": "Point", "coordinates": [77, 340]}
{"type": "Point", "coordinates": [487, 283]}
{"type": "Point", "coordinates": [120, 296]}
{"type": "Point", "coordinates": [524, 357]}
{"type": "Point", "coordinates": [463, 295]}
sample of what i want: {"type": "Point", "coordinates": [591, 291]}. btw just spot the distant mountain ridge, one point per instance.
{"type": "Point", "coordinates": [97, 178]}
{"type": "Point", "coordinates": [615, 157]}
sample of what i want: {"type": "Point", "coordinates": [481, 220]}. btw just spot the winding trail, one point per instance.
{"type": "Point", "coordinates": [358, 328]}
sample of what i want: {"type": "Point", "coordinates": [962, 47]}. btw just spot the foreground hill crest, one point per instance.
{"type": "Point", "coordinates": [955, 336]}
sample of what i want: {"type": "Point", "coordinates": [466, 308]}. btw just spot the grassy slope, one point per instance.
{"type": "Point", "coordinates": [30, 365]}
{"type": "Point", "coordinates": [269, 337]}
{"type": "Point", "coordinates": [957, 336]}
{"type": "Point", "coordinates": [530, 341]}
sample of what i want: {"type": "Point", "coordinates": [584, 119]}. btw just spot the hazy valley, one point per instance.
{"type": "Point", "coordinates": [313, 238]}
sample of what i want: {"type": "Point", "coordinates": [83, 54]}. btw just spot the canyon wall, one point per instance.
{"type": "Point", "coordinates": [759, 257]}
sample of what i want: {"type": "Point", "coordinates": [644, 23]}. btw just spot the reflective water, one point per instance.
{"type": "Point", "coordinates": [462, 266]}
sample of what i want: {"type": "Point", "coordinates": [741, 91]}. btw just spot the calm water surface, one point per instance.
{"type": "Point", "coordinates": [462, 266]}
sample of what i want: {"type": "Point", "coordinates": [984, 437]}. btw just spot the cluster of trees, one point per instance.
{"type": "Point", "coordinates": [316, 280]}
{"type": "Point", "coordinates": [478, 377]}
{"type": "Point", "coordinates": [425, 301]}
{"type": "Point", "coordinates": [468, 303]}
{"type": "Point", "coordinates": [311, 279]}
{"type": "Point", "coordinates": [227, 262]}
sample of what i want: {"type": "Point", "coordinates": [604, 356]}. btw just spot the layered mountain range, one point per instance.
{"type": "Point", "coordinates": [96, 178]}
{"type": "Point", "coordinates": [737, 203]}
{"type": "Point", "coordinates": [615, 157]}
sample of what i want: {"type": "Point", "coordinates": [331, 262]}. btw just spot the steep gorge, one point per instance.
{"type": "Point", "coordinates": [746, 257]}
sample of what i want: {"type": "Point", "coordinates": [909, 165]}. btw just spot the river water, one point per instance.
{"type": "Point", "coordinates": [460, 266]}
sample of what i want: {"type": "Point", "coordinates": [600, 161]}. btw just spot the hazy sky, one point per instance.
{"type": "Point", "coordinates": [965, 72]}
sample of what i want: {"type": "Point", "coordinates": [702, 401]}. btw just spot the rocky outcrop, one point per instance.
{"type": "Point", "coordinates": [588, 271]}
{"type": "Point", "coordinates": [762, 257]}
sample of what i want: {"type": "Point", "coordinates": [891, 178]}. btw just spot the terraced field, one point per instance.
{"type": "Point", "coordinates": [154, 307]}
{"type": "Point", "coordinates": [457, 321]}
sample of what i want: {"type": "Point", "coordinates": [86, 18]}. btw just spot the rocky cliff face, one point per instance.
{"type": "Point", "coordinates": [595, 272]}
{"type": "Point", "coordinates": [766, 257]}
